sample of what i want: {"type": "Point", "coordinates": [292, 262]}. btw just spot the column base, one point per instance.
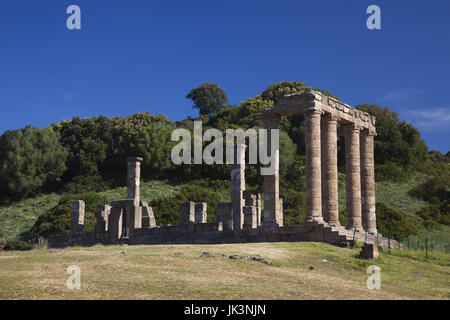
{"type": "Point", "coordinates": [334, 223]}
{"type": "Point", "coordinates": [315, 219]}
{"type": "Point", "coordinates": [269, 225]}
{"type": "Point", "coordinates": [357, 229]}
{"type": "Point", "coordinates": [372, 231]}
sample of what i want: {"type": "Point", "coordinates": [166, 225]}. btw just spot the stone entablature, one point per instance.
{"type": "Point", "coordinates": [314, 100]}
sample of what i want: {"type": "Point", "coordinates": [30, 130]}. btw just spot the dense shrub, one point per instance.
{"type": "Point", "coordinates": [294, 207]}
{"type": "Point", "coordinates": [57, 219]}
{"type": "Point", "coordinates": [390, 172]}
{"type": "Point", "coordinates": [167, 210]}
{"type": "Point", "coordinates": [433, 217]}
{"type": "Point", "coordinates": [395, 223]}
{"type": "Point", "coordinates": [17, 245]}
{"type": "Point", "coordinates": [30, 161]}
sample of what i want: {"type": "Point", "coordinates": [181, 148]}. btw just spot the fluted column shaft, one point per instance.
{"type": "Point", "coordinates": [353, 178]}
{"type": "Point", "coordinates": [271, 182]}
{"type": "Point", "coordinates": [313, 166]}
{"type": "Point", "coordinates": [330, 201]}
{"type": "Point", "coordinates": [368, 181]}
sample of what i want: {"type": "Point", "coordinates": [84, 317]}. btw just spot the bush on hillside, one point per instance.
{"type": "Point", "coordinates": [17, 245]}
{"type": "Point", "coordinates": [395, 223]}
{"type": "Point", "coordinates": [57, 219]}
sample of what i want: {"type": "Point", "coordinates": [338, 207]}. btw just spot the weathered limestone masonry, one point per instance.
{"type": "Point", "coordinates": [322, 114]}
{"type": "Point", "coordinates": [272, 213]}
{"type": "Point", "coordinates": [148, 218]}
{"type": "Point", "coordinates": [134, 179]}
{"type": "Point", "coordinates": [77, 221]}
{"type": "Point", "coordinates": [200, 212]}
{"type": "Point", "coordinates": [132, 221]}
{"type": "Point", "coordinates": [187, 213]}
{"type": "Point", "coordinates": [225, 215]}
{"type": "Point", "coordinates": [102, 217]}
{"type": "Point", "coordinates": [238, 186]}
{"type": "Point", "coordinates": [252, 209]}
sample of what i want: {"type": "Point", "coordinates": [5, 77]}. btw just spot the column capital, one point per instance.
{"type": "Point", "coordinates": [329, 117]}
{"type": "Point", "coordinates": [135, 159]}
{"type": "Point", "coordinates": [369, 132]}
{"type": "Point", "coordinates": [312, 110]}
{"type": "Point", "coordinates": [352, 127]}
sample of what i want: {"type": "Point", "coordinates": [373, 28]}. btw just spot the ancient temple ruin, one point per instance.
{"type": "Point", "coordinates": [132, 221]}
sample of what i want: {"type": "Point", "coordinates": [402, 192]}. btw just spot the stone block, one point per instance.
{"type": "Point", "coordinates": [369, 251]}
{"type": "Point", "coordinates": [187, 213]}
{"type": "Point", "coordinates": [225, 215]}
{"type": "Point", "coordinates": [77, 219]}
{"type": "Point", "coordinates": [148, 218]}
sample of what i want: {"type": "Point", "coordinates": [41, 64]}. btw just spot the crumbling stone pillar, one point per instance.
{"type": "Point", "coordinates": [368, 182]}
{"type": "Point", "coordinates": [77, 221]}
{"type": "Point", "coordinates": [124, 219]}
{"type": "Point", "coordinates": [271, 182]}
{"type": "Point", "coordinates": [330, 201]}
{"type": "Point", "coordinates": [187, 213]}
{"type": "Point", "coordinates": [313, 166]}
{"type": "Point", "coordinates": [252, 209]}
{"type": "Point", "coordinates": [225, 215]}
{"type": "Point", "coordinates": [200, 212]}
{"type": "Point", "coordinates": [115, 222]}
{"type": "Point", "coordinates": [148, 218]}
{"type": "Point", "coordinates": [238, 186]}
{"type": "Point", "coordinates": [280, 216]}
{"type": "Point", "coordinates": [253, 199]}
{"type": "Point", "coordinates": [353, 178]}
{"type": "Point", "coordinates": [250, 217]}
{"type": "Point", "coordinates": [102, 217]}
{"type": "Point", "coordinates": [133, 179]}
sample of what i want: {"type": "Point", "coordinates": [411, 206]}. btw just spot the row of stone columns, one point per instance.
{"type": "Point", "coordinates": [322, 173]}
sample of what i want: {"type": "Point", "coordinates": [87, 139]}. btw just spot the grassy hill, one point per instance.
{"type": "Point", "coordinates": [299, 271]}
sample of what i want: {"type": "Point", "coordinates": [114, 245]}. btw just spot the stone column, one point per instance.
{"type": "Point", "coordinates": [313, 167]}
{"type": "Point", "coordinates": [115, 222]}
{"type": "Point", "coordinates": [187, 213]}
{"type": "Point", "coordinates": [271, 182]}
{"type": "Point", "coordinates": [238, 186]}
{"type": "Point", "coordinates": [225, 215]}
{"type": "Point", "coordinates": [368, 182]}
{"type": "Point", "coordinates": [102, 218]}
{"type": "Point", "coordinates": [133, 179]}
{"type": "Point", "coordinates": [77, 221]}
{"type": "Point", "coordinates": [330, 201]}
{"type": "Point", "coordinates": [353, 178]}
{"type": "Point", "coordinates": [200, 212]}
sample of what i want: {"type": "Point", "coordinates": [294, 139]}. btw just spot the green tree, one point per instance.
{"type": "Point", "coordinates": [30, 160]}
{"type": "Point", "coordinates": [397, 141]}
{"type": "Point", "coordinates": [208, 98]}
{"type": "Point", "coordinates": [147, 136]}
{"type": "Point", "coordinates": [89, 142]}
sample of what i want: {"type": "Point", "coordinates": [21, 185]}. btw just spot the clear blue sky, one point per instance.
{"type": "Point", "coordinates": [136, 56]}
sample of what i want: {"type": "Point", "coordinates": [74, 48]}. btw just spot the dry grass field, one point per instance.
{"type": "Point", "coordinates": [181, 272]}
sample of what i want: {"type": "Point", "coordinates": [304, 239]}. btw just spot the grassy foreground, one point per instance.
{"type": "Point", "coordinates": [181, 272]}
